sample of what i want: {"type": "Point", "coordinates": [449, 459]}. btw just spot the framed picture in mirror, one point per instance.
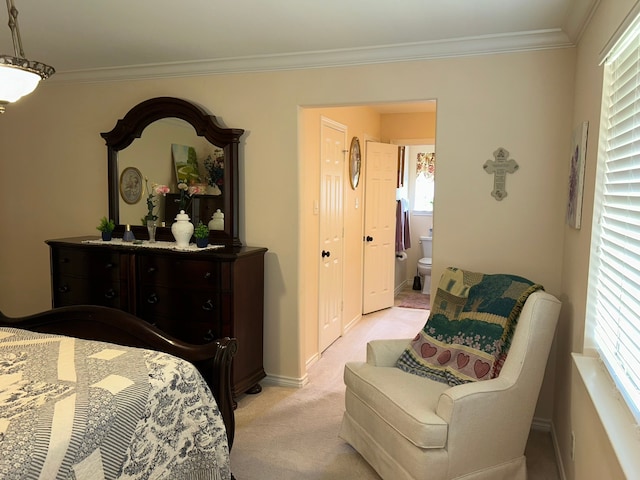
{"type": "Point", "coordinates": [354, 162]}
{"type": "Point", "coordinates": [131, 185]}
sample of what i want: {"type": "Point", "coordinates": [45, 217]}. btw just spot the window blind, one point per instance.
{"type": "Point", "coordinates": [614, 282]}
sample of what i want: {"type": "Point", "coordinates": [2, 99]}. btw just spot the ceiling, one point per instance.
{"type": "Point", "coordinates": [115, 39]}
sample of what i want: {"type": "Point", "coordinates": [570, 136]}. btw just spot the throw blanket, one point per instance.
{"type": "Point", "coordinates": [468, 333]}
{"type": "Point", "coordinates": [76, 409]}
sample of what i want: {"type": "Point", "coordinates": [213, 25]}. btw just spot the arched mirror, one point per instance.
{"type": "Point", "coordinates": [159, 141]}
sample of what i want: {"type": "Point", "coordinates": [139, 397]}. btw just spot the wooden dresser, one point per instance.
{"type": "Point", "coordinates": [196, 296]}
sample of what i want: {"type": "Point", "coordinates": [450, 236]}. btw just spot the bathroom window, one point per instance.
{"type": "Point", "coordinates": [424, 186]}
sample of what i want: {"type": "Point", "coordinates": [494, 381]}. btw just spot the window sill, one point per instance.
{"type": "Point", "coordinates": [616, 418]}
{"type": "Point", "coordinates": [423, 213]}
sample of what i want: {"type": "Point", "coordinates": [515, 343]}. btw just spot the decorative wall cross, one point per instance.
{"type": "Point", "coordinates": [500, 167]}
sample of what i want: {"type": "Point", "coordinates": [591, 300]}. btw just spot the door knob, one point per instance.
{"type": "Point", "coordinates": [369, 238]}
{"type": "Point", "coordinates": [325, 254]}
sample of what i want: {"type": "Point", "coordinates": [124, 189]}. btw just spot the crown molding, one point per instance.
{"type": "Point", "coordinates": [468, 46]}
{"type": "Point", "coordinates": [578, 17]}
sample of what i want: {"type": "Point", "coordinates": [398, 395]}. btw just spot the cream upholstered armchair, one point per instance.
{"type": "Point", "coordinates": [411, 427]}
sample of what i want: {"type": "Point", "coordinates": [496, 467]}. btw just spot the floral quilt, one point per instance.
{"type": "Point", "coordinates": [77, 409]}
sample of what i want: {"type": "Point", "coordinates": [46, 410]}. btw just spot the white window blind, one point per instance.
{"type": "Point", "coordinates": [614, 280]}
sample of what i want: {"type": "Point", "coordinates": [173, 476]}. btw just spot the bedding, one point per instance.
{"type": "Point", "coordinates": [81, 409]}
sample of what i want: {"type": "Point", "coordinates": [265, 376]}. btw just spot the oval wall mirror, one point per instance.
{"type": "Point", "coordinates": [151, 139]}
{"type": "Point", "coordinates": [354, 162]}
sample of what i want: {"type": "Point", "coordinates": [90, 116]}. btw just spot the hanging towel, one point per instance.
{"type": "Point", "coordinates": [403, 236]}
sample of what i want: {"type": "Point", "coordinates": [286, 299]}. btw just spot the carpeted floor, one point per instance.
{"type": "Point", "coordinates": [292, 434]}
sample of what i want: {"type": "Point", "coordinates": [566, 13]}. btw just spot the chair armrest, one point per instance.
{"type": "Point", "coordinates": [385, 353]}
{"type": "Point", "coordinates": [474, 394]}
{"type": "Point", "coordinates": [474, 411]}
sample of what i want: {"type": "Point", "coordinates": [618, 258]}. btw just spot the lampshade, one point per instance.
{"type": "Point", "coordinates": [19, 76]}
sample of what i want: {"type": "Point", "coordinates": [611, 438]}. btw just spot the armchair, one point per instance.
{"type": "Point", "coordinates": [411, 427]}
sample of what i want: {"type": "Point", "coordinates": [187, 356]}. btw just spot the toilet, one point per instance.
{"type": "Point", "coordinates": [424, 264]}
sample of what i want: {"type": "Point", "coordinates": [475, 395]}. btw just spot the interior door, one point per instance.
{"type": "Point", "coordinates": [332, 158]}
{"type": "Point", "coordinates": [381, 168]}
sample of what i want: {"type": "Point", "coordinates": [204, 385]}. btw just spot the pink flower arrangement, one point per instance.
{"type": "Point", "coordinates": [161, 189]}
{"type": "Point", "coordinates": [186, 192]}
{"type": "Point", "coordinates": [156, 190]}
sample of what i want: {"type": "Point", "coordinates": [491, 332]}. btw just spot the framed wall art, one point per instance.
{"type": "Point", "coordinates": [131, 185]}
{"type": "Point", "coordinates": [186, 164]}
{"type": "Point", "coordinates": [354, 162]}
{"type": "Point", "coordinates": [576, 175]}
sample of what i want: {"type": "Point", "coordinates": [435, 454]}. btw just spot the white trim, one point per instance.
{"type": "Point", "coordinates": [467, 46]}
{"type": "Point", "coordinates": [556, 448]}
{"type": "Point", "coordinates": [399, 288]}
{"type": "Point", "coordinates": [620, 31]}
{"type": "Point", "coordinates": [352, 323]}
{"type": "Point", "coordinates": [616, 418]}
{"type": "Point", "coordinates": [578, 18]}
{"type": "Point", "coordinates": [541, 424]}
{"type": "Point", "coordinates": [281, 381]}
{"type": "Point", "coordinates": [315, 358]}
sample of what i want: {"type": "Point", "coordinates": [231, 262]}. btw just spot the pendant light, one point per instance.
{"type": "Point", "coordinates": [18, 76]}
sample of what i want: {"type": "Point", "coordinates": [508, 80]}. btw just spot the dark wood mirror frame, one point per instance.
{"type": "Point", "coordinates": [131, 127]}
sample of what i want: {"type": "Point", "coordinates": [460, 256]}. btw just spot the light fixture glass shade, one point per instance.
{"type": "Point", "coordinates": [18, 76]}
{"type": "Point", "coordinates": [16, 83]}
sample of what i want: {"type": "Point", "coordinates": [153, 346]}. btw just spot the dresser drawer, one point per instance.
{"type": "Point", "coordinates": [184, 305]}
{"type": "Point", "coordinates": [72, 290]}
{"type": "Point", "coordinates": [178, 272]}
{"type": "Point", "coordinates": [191, 332]}
{"type": "Point", "coordinates": [86, 263]}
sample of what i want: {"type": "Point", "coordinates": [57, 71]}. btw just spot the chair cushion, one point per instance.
{"type": "Point", "coordinates": [469, 330]}
{"type": "Point", "coordinates": [404, 401]}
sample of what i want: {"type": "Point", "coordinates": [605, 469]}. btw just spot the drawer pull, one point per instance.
{"type": "Point", "coordinates": [151, 270]}
{"type": "Point", "coordinates": [207, 275]}
{"type": "Point", "coordinates": [209, 336]}
{"type": "Point", "coordinates": [64, 260]}
{"type": "Point", "coordinates": [63, 288]}
{"type": "Point", "coordinates": [110, 294]}
{"type": "Point", "coordinates": [207, 306]}
{"type": "Point", "coordinates": [152, 299]}
{"type": "Point", "coordinates": [108, 266]}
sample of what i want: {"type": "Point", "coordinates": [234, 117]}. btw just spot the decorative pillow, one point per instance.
{"type": "Point", "coordinates": [470, 327]}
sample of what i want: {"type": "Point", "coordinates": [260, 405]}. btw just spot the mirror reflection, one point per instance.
{"type": "Point", "coordinates": [169, 152]}
{"type": "Point", "coordinates": [146, 143]}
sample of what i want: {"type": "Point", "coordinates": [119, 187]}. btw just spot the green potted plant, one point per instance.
{"type": "Point", "coordinates": [201, 232]}
{"type": "Point", "coordinates": [106, 227]}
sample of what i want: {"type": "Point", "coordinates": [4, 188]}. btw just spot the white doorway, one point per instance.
{"type": "Point", "coordinates": [333, 140]}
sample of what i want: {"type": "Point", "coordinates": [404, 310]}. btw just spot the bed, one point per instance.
{"type": "Point", "coordinates": [89, 392]}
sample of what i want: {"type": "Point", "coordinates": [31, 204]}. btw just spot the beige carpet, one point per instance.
{"type": "Point", "coordinates": [285, 433]}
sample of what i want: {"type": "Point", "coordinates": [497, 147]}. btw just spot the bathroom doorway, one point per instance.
{"type": "Point", "coordinates": [419, 173]}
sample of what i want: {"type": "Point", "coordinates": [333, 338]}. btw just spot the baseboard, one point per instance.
{"type": "Point", "coordinates": [352, 323]}
{"type": "Point", "coordinates": [280, 381]}
{"type": "Point", "coordinates": [313, 360]}
{"type": "Point", "coordinates": [556, 449]}
{"type": "Point", "coordinates": [400, 287]}
{"type": "Point", "coordinates": [541, 424]}
{"type": "Point", "coordinates": [546, 425]}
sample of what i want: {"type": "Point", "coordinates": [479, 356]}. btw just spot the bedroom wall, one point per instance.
{"type": "Point", "coordinates": [54, 170]}
{"type": "Point", "coordinates": [594, 455]}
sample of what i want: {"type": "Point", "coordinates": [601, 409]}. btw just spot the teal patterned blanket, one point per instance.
{"type": "Point", "coordinates": [469, 330]}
